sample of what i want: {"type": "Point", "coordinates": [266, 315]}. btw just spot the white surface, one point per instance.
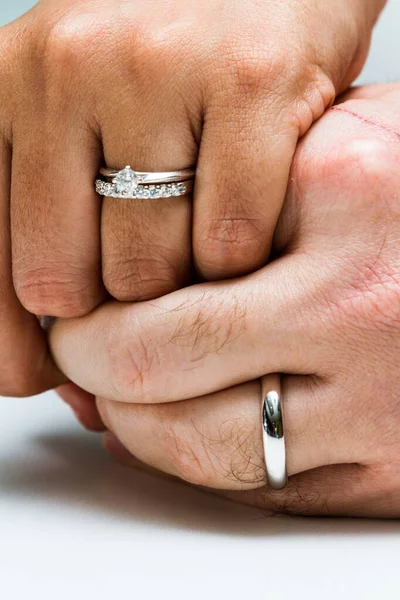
{"type": "Point", "coordinates": [75, 526]}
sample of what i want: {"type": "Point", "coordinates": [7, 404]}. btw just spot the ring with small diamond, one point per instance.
{"type": "Point", "coordinates": [131, 184]}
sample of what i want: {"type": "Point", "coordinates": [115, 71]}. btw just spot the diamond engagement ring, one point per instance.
{"type": "Point", "coordinates": [128, 183]}
{"type": "Point", "coordinates": [272, 430]}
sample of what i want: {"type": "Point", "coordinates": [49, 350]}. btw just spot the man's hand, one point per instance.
{"type": "Point", "coordinates": [326, 313]}
{"type": "Point", "coordinates": [160, 85]}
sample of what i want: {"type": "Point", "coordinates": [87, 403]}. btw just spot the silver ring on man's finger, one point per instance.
{"type": "Point", "coordinates": [272, 433]}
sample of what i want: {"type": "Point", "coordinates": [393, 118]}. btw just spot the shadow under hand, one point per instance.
{"type": "Point", "coordinates": [71, 468]}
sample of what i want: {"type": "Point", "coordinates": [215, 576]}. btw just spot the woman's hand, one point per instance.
{"type": "Point", "coordinates": [160, 85]}
{"type": "Point", "coordinates": [326, 313]}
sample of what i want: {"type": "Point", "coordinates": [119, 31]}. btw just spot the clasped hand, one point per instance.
{"type": "Point", "coordinates": [177, 378]}
{"type": "Point", "coordinates": [230, 87]}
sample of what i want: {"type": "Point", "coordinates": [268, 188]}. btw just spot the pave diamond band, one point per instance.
{"type": "Point", "coordinates": [128, 183]}
{"type": "Point", "coordinates": [110, 190]}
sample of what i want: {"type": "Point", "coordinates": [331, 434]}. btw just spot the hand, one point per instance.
{"type": "Point", "coordinates": [326, 313]}
{"type": "Point", "coordinates": [160, 85]}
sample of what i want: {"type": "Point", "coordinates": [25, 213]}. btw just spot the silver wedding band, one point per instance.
{"type": "Point", "coordinates": [131, 184]}
{"type": "Point", "coordinates": [272, 432]}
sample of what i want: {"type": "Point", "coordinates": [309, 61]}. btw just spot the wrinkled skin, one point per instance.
{"type": "Point", "coordinates": [226, 85]}
{"type": "Point", "coordinates": [180, 373]}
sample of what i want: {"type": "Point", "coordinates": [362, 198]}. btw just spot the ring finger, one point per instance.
{"type": "Point", "coordinates": [216, 441]}
{"type": "Point", "coordinates": [146, 243]}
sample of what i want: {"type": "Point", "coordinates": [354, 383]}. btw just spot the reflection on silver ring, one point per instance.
{"type": "Point", "coordinates": [273, 435]}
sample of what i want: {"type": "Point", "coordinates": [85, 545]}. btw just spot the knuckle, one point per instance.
{"type": "Point", "coordinates": [367, 159]}
{"type": "Point", "coordinates": [54, 292]}
{"type": "Point", "coordinates": [234, 232]}
{"type": "Point", "coordinates": [68, 40]}
{"type": "Point", "coordinates": [161, 51]}
{"type": "Point", "coordinates": [156, 49]}
{"type": "Point", "coordinates": [64, 52]}
{"type": "Point", "coordinates": [231, 245]}
{"type": "Point", "coordinates": [255, 68]}
{"type": "Point", "coordinates": [132, 359]}
{"type": "Point", "coordinates": [312, 93]}
{"type": "Point", "coordinates": [131, 279]}
{"type": "Point", "coordinates": [362, 163]}
{"type": "Point", "coordinates": [87, 46]}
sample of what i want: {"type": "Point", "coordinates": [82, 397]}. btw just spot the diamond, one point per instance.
{"type": "Point", "coordinates": [99, 186]}
{"type": "Point", "coordinates": [126, 181]}
{"type": "Point", "coordinates": [153, 192]}
{"type": "Point", "coordinates": [174, 190]}
{"type": "Point", "coordinates": [182, 188]}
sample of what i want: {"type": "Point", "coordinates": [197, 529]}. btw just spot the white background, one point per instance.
{"type": "Point", "coordinates": [73, 525]}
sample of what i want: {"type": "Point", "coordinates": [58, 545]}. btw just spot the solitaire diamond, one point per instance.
{"type": "Point", "coordinates": [126, 181]}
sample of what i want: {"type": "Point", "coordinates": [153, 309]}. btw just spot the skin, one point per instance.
{"type": "Point", "coordinates": [226, 85]}
{"type": "Point", "coordinates": [177, 379]}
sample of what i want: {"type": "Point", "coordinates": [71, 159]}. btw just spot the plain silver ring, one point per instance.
{"type": "Point", "coordinates": [272, 432]}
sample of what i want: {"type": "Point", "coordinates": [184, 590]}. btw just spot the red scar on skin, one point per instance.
{"type": "Point", "coordinates": [367, 121]}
